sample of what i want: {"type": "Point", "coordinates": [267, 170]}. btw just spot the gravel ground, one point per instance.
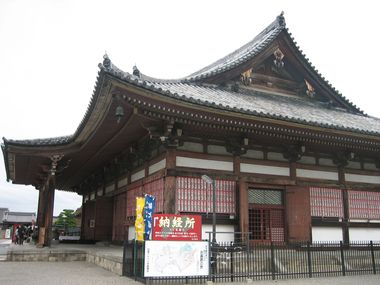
{"type": "Point", "coordinates": [83, 273]}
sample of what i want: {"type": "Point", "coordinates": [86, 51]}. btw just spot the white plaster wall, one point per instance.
{"type": "Point", "coordinates": [276, 156]}
{"type": "Point", "coordinates": [326, 234]}
{"type": "Point", "coordinates": [157, 166]}
{"type": "Point", "coordinates": [354, 165]}
{"type": "Point", "coordinates": [92, 196]}
{"type": "Point", "coordinates": [110, 188]}
{"type": "Point", "coordinates": [362, 178]}
{"type": "Point", "coordinates": [264, 169]}
{"type": "Point", "coordinates": [361, 234]}
{"type": "Point", "coordinates": [316, 174]}
{"type": "Point", "coordinates": [191, 146]}
{"type": "Point", "coordinates": [99, 192]}
{"type": "Point", "coordinates": [204, 163]}
{"type": "Point", "coordinates": [308, 160]}
{"type": "Point", "coordinates": [217, 149]}
{"type": "Point", "coordinates": [138, 175]}
{"type": "Point", "coordinates": [122, 182]}
{"type": "Point", "coordinates": [326, 162]}
{"type": "Point", "coordinates": [370, 166]}
{"type": "Point", "coordinates": [226, 236]}
{"type": "Point", "coordinates": [251, 153]}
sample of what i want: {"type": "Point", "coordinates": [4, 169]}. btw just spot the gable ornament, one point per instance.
{"type": "Point", "coordinates": [278, 59]}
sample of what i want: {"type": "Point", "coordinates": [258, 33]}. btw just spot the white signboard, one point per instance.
{"type": "Point", "coordinates": [176, 258]}
{"type": "Point", "coordinates": [8, 233]}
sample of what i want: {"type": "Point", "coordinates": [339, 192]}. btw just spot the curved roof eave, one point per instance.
{"type": "Point", "coordinates": [243, 54]}
{"type": "Point", "coordinates": [259, 43]}
{"type": "Point", "coordinates": [318, 75]}
{"type": "Point", "coordinates": [164, 88]}
{"type": "Point", "coordinates": [248, 52]}
{"type": "Point", "coordinates": [64, 140]}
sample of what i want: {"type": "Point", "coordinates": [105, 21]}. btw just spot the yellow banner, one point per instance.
{"type": "Point", "coordinates": [139, 223]}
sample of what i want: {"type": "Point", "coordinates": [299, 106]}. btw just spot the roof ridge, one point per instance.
{"type": "Point", "coordinates": [247, 51]}
{"type": "Point", "coordinates": [242, 54]}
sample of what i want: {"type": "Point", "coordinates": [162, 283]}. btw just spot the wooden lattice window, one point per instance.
{"type": "Point", "coordinates": [364, 205]}
{"type": "Point", "coordinates": [195, 195]}
{"type": "Point", "coordinates": [266, 223]}
{"type": "Point", "coordinates": [326, 202]}
{"type": "Point", "coordinates": [156, 188]}
{"type": "Point", "coordinates": [266, 220]}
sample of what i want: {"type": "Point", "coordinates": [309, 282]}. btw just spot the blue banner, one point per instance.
{"type": "Point", "coordinates": [150, 204]}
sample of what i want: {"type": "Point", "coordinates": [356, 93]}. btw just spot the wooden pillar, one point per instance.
{"type": "Point", "coordinates": [82, 220]}
{"type": "Point", "coordinates": [41, 207]}
{"type": "Point", "coordinates": [243, 211]}
{"type": "Point", "coordinates": [169, 195]}
{"type": "Point", "coordinates": [170, 184]}
{"type": "Point", "coordinates": [49, 211]}
{"type": "Point", "coordinates": [298, 219]}
{"type": "Point", "coordinates": [45, 212]}
{"type": "Point", "coordinates": [293, 170]}
{"type": "Point", "coordinates": [345, 229]}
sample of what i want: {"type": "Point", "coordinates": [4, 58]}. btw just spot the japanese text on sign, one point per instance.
{"type": "Point", "coordinates": [177, 227]}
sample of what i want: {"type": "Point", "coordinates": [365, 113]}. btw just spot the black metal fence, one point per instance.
{"type": "Point", "coordinates": [239, 261]}
{"type": "Point", "coordinates": [133, 260]}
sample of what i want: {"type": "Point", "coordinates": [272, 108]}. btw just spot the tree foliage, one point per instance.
{"type": "Point", "coordinates": [66, 220]}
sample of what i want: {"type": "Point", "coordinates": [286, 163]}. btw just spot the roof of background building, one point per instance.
{"type": "Point", "coordinates": [19, 217]}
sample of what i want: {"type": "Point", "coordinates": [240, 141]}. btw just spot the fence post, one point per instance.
{"type": "Point", "coordinates": [342, 258]}
{"type": "Point", "coordinates": [232, 262]}
{"type": "Point", "coordinates": [272, 260]}
{"type": "Point", "coordinates": [124, 256]}
{"type": "Point", "coordinates": [209, 257]}
{"type": "Point", "coordinates": [248, 257]}
{"type": "Point", "coordinates": [373, 257]}
{"type": "Point", "coordinates": [134, 254]}
{"type": "Point", "coordinates": [309, 260]}
{"type": "Point", "coordinates": [143, 259]}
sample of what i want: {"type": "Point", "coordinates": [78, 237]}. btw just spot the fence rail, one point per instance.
{"type": "Point", "coordinates": [239, 261]}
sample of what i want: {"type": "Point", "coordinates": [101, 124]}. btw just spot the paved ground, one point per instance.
{"type": "Point", "coordinates": [58, 273]}
{"type": "Point", "coordinates": [83, 273]}
{"type": "Point", "coordinates": [4, 245]}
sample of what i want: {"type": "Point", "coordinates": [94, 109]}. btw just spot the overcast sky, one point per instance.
{"type": "Point", "coordinates": [49, 52]}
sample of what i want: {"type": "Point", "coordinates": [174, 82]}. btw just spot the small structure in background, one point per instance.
{"type": "Point", "coordinates": [67, 226]}
{"type": "Point", "coordinates": [11, 220]}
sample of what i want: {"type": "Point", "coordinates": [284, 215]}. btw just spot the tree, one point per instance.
{"type": "Point", "coordinates": [66, 220]}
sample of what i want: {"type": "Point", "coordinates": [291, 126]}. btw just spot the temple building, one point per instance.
{"type": "Point", "coordinates": [292, 159]}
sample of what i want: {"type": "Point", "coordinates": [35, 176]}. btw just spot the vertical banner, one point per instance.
{"type": "Point", "coordinates": [139, 223]}
{"type": "Point", "coordinates": [150, 204]}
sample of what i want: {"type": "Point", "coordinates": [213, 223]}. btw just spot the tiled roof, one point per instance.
{"type": "Point", "coordinates": [286, 108]}
{"type": "Point", "coordinates": [45, 141]}
{"type": "Point", "coordinates": [19, 217]}
{"type": "Point", "coordinates": [243, 54]}
{"type": "Point", "coordinates": [190, 89]}
{"type": "Point", "coordinates": [318, 74]}
{"type": "Point", "coordinates": [248, 52]}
